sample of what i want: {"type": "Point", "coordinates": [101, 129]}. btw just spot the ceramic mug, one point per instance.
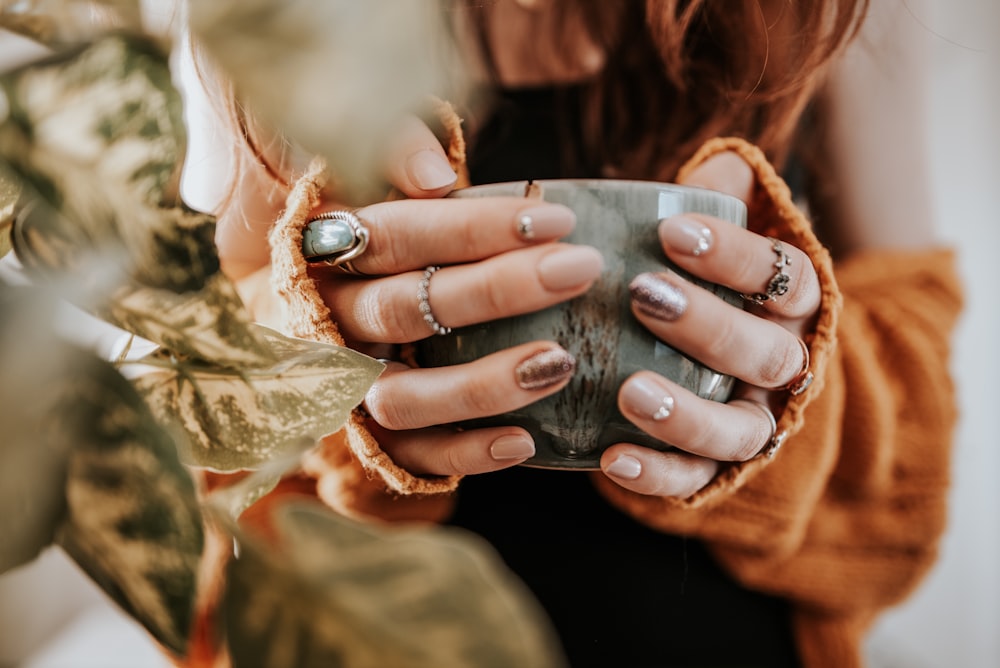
{"type": "Point", "coordinates": [573, 427]}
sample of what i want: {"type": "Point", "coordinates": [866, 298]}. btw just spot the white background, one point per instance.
{"type": "Point", "coordinates": [52, 617]}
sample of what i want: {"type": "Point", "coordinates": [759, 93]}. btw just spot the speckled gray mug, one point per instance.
{"type": "Point", "coordinates": [573, 427]}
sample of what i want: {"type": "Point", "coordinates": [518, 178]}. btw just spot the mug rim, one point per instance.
{"type": "Point", "coordinates": [598, 183]}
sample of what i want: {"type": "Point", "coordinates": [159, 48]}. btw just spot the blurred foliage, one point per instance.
{"type": "Point", "coordinates": [108, 460]}
{"type": "Point", "coordinates": [335, 76]}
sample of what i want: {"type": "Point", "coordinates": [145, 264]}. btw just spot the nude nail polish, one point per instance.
{"type": "Point", "coordinates": [545, 369]}
{"type": "Point", "coordinates": [549, 221]}
{"type": "Point", "coordinates": [512, 446]}
{"type": "Point", "coordinates": [655, 296]}
{"type": "Point", "coordinates": [648, 398]}
{"type": "Point", "coordinates": [570, 266]}
{"type": "Point", "coordinates": [429, 171]}
{"type": "Point", "coordinates": [686, 235]}
{"type": "Point", "coordinates": [625, 467]}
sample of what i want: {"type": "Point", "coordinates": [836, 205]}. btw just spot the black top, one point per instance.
{"type": "Point", "coordinates": [619, 594]}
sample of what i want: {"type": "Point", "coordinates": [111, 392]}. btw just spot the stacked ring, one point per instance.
{"type": "Point", "coordinates": [804, 379]}
{"type": "Point", "coordinates": [335, 238]}
{"type": "Point", "coordinates": [424, 302]}
{"type": "Point", "coordinates": [778, 285]}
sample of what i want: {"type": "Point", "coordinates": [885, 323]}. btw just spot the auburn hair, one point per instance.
{"type": "Point", "coordinates": [679, 72]}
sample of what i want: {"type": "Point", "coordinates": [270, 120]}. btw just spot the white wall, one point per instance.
{"type": "Point", "coordinates": [954, 619]}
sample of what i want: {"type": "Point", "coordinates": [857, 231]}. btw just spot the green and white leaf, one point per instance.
{"type": "Point", "coordinates": [344, 594]}
{"type": "Point", "coordinates": [208, 325]}
{"type": "Point", "coordinates": [98, 134]}
{"type": "Point", "coordinates": [133, 521]}
{"type": "Point", "coordinates": [242, 418]}
{"type": "Point", "coordinates": [60, 22]}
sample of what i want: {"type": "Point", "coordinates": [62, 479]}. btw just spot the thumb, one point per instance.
{"type": "Point", "coordinates": [416, 163]}
{"type": "Point", "coordinates": [724, 172]}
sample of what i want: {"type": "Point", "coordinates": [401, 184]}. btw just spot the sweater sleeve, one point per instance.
{"type": "Point", "coordinates": [845, 518]}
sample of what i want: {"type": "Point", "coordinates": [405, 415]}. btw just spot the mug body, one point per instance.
{"type": "Point", "coordinates": [573, 427]}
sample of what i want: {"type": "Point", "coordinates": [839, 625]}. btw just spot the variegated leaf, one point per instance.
{"type": "Point", "coordinates": [133, 521]}
{"type": "Point", "coordinates": [343, 594]}
{"type": "Point", "coordinates": [334, 75]}
{"type": "Point", "coordinates": [98, 133]}
{"type": "Point", "coordinates": [9, 192]}
{"type": "Point", "coordinates": [60, 22]}
{"type": "Point", "coordinates": [242, 418]}
{"type": "Point", "coordinates": [36, 373]}
{"type": "Point", "coordinates": [208, 325]}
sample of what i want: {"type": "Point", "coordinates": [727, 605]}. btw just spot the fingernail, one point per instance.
{"type": "Point", "coordinates": [647, 397]}
{"type": "Point", "coordinates": [685, 235]}
{"type": "Point", "coordinates": [512, 446]}
{"type": "Point", "coordinates": [544, 369]}
{"type": "Point", "coordinates": [625, 467]}
{"type": "Point", "coordinates": [569, 267]}
{"type": "Point", "coordinates": [657, 297]}
{"type": "Point", "coordinates": [429, 170]}
{"type": "Point", "coordinates": [545, 222]}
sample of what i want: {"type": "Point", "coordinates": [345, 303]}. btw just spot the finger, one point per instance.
{"type": "Point", "coordinates": [416, 162]}
{"type": "Point", "coordinates": [723, 253]}
{"type": "Point", "coordinates": [440, 451]}
{"type": "Point", "coordinates": [668, 412]}
{"type": "Point", "coordinates": [724, 172]}
{"type": "Point", "coordinates": [404, 398]}
{"type": "Point", "coordinates": [646, 471]}
{"type": "Point", "coordinates": [729, 340]}
{"type": "Point", "coordinates": [407, 235]}
{"type": "Point", "coordinates": [388, 309]}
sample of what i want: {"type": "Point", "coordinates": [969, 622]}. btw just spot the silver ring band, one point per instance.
{"type": "Point", "coordinates": [424, 302]}
{"type": "Point", "coordinates": [778, 285]}
{"type": "Point", "coordinates": [335, 238]}
{"type": "Point", "coordinates": [774, 439]}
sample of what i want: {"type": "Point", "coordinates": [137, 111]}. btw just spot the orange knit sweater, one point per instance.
{"type": "Point", "coordinates": [843, 521]}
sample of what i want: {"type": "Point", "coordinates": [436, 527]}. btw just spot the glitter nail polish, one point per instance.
{"type": "Point", "coordinates": [657, 297]}
{"type": "Point", "coordinates": [544, 369]}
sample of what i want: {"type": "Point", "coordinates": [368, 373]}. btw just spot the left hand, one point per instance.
{"type": "Point", "coordinates": [760, 345]}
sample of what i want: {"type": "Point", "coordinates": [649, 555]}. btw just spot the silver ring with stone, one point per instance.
{"type": "Point", "coordinates": [335, 238]}
{"type": "Point", "coordinates": [778, 285]}
{"type": "Point", "coordinates": [424, 302]}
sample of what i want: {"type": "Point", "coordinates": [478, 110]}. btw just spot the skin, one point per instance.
{"type": "Point", "coordinates": [875, 123]}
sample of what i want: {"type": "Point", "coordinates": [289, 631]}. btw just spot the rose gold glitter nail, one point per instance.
{"type": "Point", "coordinates": [654, 296]}
{"type": "Point", "coordinates": [544, 369]}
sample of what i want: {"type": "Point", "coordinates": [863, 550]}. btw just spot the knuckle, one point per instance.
{"type": "Point", "coordinates": [751, 441]}
{"type": "Point", "coordinates": [389, 244]}
{"type": "Point", "coordinates": [389, 414]}
{"type": "Point", "coordinates": [378, 317]}
{"type": "Point", "coordinates": [781, 363]}
{"type": "Point", "coordinates": [726, 337]}
{"type": "Point", "coordinates": [479, 397]}
{"type": "Point", "coordinates": [456, 460]}
{"type": "Point", "coordinates": [493, 294]}
{"type": "Point", "coordinates": [746, 271]}
{"type": "Point", "coordinates": [804, 297]}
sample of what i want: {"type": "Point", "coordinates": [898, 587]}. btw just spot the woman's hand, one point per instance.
{"type": "Point", "coordinates": [761, 346]}
{"type": "Point", "coordinates": [490, 269]}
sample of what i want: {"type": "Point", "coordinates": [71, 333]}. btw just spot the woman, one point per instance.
{"type": "Point", "coordinates": [728, 550]}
